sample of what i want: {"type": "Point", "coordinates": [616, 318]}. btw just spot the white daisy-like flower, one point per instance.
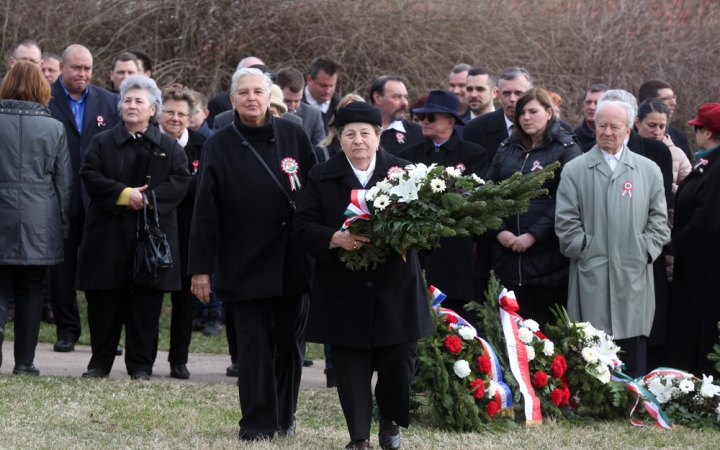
{"type": "Point", "coordinates": [590, 355]}
{"type": "Point", "coordinates": [453, 172]}
{"type": "Point", "coordinates": [466, 333]}
{"type": "Point", "coordinates": [372, 193]}
{"type": "Point", "coordinates": [385, 185]}
{"type": "Point", "coordinates": [381, 202]}
{"type": "Point", "coordinates": [525, 335]}
{"type": "Point", "coordinates": [437, 185]}
{"type": "Point", "coordinates": [530, 352]}
{"type": "Point", "coordinates": [477, 179]}
{"type": "Point", "coordinates": [534, 326]}
{"type": "Point", "coordinates": [548, 347]}
{"type": "Point", "coordinates": [708, 389]}
{"type": "Point", "coordinates": [461, 368]}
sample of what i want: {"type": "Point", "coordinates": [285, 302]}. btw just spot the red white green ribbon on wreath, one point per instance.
{"type": "Point", "coordinates": [649, 401]}
{"type": "Point", "coordinates": [290, 167]}
{"type": "Point", "coordinates": [517, 355]}
{"type": "Point", "coordinates": [357, 209]}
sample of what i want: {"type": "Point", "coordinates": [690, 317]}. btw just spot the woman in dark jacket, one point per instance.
{"type": "Point", "coordinates": [526, 256]}
{"type": "Point", "coordinates": [35, 187]}
{"type": "Point", "coordinates": [117, 167]}
{"type": "Point", "coordinates": [371, 319]}
{"type": "Point", "coordinates": [694, 309]}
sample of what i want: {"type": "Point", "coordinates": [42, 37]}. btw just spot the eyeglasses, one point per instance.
{"type": "Point", "coordinates": [430, 117]}
{"type": "Point", "coordinates": [181, 115]}
{"type": "Point", "coordinates": [667, 99]}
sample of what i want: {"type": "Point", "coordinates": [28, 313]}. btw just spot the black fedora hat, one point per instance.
{"type": "Point", "coordinates": [442, 102]}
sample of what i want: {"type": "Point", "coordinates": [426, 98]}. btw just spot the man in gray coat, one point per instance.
{"type": "Point", "coordinates": [611, 220]}
{"type": "Point", "coordinates": [292, 83]}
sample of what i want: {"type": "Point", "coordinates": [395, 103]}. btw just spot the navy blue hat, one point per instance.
{"type": "Point", "coordinates": [357, 112]}
{"type": "Point", "coordinates": [442, 102]}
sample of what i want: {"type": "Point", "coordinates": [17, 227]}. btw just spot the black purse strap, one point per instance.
{"type": "Point", "coordinates": [144, 214]}
{"type": "Point", "coordinates": [262, 161]}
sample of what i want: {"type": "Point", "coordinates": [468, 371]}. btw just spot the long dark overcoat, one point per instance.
{"type": "Point", "coordinates": [242, 221]}
{"type": "Point", "coordinates": [360, 309]}
{"type": "Point", "coordinates": [193, 151]}
{"type": "Point", "coordinates": [108, 242]}
{"type": "Point", "coordinates": [694, 307]}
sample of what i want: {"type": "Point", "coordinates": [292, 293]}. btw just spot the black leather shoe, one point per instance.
{"type": "Point", "coordinates": [140, 375]}
{"type": "Point", "coordinates": [95, 373]}
{"type": "Point", "coordinates": [358, 445]}
{"type": "Point", "coordinates": [25, 369]}
{"type": "Point", "coordinates": [330, 376]}
{"type": "Point", "coordinates": [119, 350]}
{"type": "Point", "coordinates": [307, 363]}
{"type": "Point", "coordinates": [389, 435]}
{"type": "Point", "coordinates": [64, 345]}
{"type": "Point", "coordinates": [288, 431]}
{"type": "Point", "coordinates": [179, 371]}
{"type": "Point", "coordinates": [233, 370]}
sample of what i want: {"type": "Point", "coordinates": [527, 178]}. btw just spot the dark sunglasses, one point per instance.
{"type": "Point", "coordinates": [430, 117]}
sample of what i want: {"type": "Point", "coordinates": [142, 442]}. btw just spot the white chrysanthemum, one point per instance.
{"type": "Point", "coordinates": [530, 352]}
{"type": "Point", "coordinates": [590, 355]}
{"type": "Point", "coordinates": [708, 389]}
{"type": "Point", "coordinates": [385, 185]}
{"type": "Point", "coordinates": [372, 193]}
{"type": "Point", "coordinates": [603, 374]}
{"type": "Point", "coordinates": [492, 389]}
{"type": "Point", "coordinates": [589, 331]}
{"type": "Point", "coordinates": [466, 333]}
{"type": "Point", "coordinates": [548, 347]}
{"type": "Point", "coordinates": [453, 172]}
{"type": "Point", "coordinates": [534, 326]}
{"type": "Point", "coordinates": [437, 185]}
{"type": "Point", "coordinates": [525, 335]}
{"type": "Point", "coordinates": [477, 179]}
{"type": "Point", "coordinates": [461, 368]}
{"type": "Point", "coordinates": [381, 202]}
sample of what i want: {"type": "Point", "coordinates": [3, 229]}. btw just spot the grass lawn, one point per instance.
{"type": "Point", "coordinates": [198, 344]}
{"type": "Point", "coordinates": [69, 412]}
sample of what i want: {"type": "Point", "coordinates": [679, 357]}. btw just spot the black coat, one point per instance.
{"type": "Point", "coordinates": [360, 309]}
{"type": "Point", "coordinates": [101, 114]}
{"type": "Point", "coordinates": [216, 105]}
{"type": "Point", "coordinates": [542, 264]}
{"type": "Point", "coordinates": [193, 151]}
{"type": "Point", "coordinates": [241, 223]}
{"type": "Point", "coordinates": [393, 141]}
{"type": "Point", "coordinates": [451, 267]}
{"type": "Point", "coordinates": [584, 135]}
{"type": "Point", "coordinates": [108, 241]}
{"type": "Point", "coordinates": [694, 309]}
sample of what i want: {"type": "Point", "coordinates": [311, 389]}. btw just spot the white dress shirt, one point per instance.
{"type": "Point", "coordinates": [397, 126]}
{"type": "Point", "coordinates": [323, 106]}
{"type": "Point", "coordinates": [612, 160]}
{"type": "Point", "coordinates": [508, 125]}
{"type": "Point", "coordinates": [364, 176]}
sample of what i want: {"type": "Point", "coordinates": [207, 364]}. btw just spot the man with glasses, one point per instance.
{"type": "Point", "coordinates": [662, 91]}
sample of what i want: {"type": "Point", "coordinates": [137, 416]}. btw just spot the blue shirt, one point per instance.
{"type": "Point", "coordinates": [441, 143]}
{"type": "Point", "coordinates": [77, 106]}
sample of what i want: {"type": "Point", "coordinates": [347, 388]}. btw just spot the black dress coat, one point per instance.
{"type": "Point", "coordinates": [694, 308]}
{"type": "Point", "coordinates": [451, 267]}
{"type": "Point", "coordinates": [393, 141]}
{"type": "Point", "coordinates": [242, 221]}
{"type": "Point", "coordinates": [193, 151]}
{"type": "Point", "coordinates": [359, 309]}
{"type": "Point", "coordinates": [108, 241]}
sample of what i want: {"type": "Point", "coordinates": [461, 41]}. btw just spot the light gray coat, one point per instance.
{"type": "Point", "coordinates": [612, 239]}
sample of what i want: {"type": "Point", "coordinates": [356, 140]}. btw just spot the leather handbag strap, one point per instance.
{"type": "Point", "coordinates": [262, 161]}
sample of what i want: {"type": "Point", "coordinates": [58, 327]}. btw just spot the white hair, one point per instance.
{"type": "Point", "coordinates": [245, 72]}
{"type": "Point", "coordinates": [619, 97]}
{"type": "Point", "coordinates": [148, 85]}
{"type": "Point", "coordinates": [250, 59]}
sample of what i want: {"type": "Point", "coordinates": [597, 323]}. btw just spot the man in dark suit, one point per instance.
{"type": "Point", "coordinates": [221, 102]}
{"type": "Point", "coordinates": [662, 91]}
{"type": "Point", "coordinates": [389, 95]}
{"type": "Point", "coordinates": [585, 133]}
{"type": "Point", "coordinates": [320, 88]}
{"type": "Point", "coordinates": [292, 83]}
{"type": "Point", "coordinates": [457, 79]}
{"type": "Point", "coordinates": [481, 91]}
{"type": "Point", "coordinates": [85, 110]}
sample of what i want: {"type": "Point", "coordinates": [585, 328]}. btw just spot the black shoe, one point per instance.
{"type": "Point", "coordinates": [389, 435]}
{"type": "Point", "coordinates": [140, 375]}
{"type": "Point", "coordinates": [179, 371]}
{"type": "Point", "coordinates": [358, 445]}
{"type": "Point", "coordinates": [47, 316]}
{"type": "Point", "coordinates": [307, 363]}
{"type": "Point", "coordinates": [95, 373]}
{"type": "Point", "coordinates": [119, 350]}
{"type": "Point", "coordinates": [212, 326]}
{"type": "Point", "coordinates": [233, 370]}
{"type": "Point", "coordinates": [2, 338]}
{"type": "Point", "coordinates": [64, 345]}
{"type": "Point", "coordinates": [330, 375]}
{"type": "Point", "coordinates": [25, 369]}
{"type": "Point", "coordinates": [288, 431]}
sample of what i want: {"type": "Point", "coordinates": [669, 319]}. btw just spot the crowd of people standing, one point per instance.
{"type": "Point", "coordinates": [250, 188]}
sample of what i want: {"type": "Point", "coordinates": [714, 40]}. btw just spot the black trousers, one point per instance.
{"type": "Point", "coordinates": [181, 323]}
{"type": "Point", "coordinates": [230, 333]}
{"type": "Point", "coordinates": [25, 284]}
{"type": "Point", "coordinates": [635, 355]}
{"type": "Point", "coordinates": [395, 366]}
{"type": "Point", "coordinates": [536, 302]}
{"type": "Point", "coordinates": [270, 334]}
{"type": "Point", "coordinates": [139, 309]}
{"type": "Point", "coordinates": [63, 297]}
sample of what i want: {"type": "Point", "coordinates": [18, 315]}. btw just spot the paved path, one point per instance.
{"type": "Point", "coordinates": [204, 368]}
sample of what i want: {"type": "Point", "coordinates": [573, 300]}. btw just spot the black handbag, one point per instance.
{"type": "Point", "coordinates": [152, 251]}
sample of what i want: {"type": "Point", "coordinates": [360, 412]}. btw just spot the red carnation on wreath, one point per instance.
{"type": "Point", "coordinates": [559, 366]}
{"type": "Point", "coordinates": [540, 379]}
{"type": "Point", "coordinates": [453, 344]}
{"type": "Point", "coordinates": [492, 408]}
{"type": "Point", "coordinates": [477, 387]}
{"type": "Point", "coordinates": [484, 364]}
{"type": "Point", "coordinates": [558, 396]}
{"type": "Point", "coordinates": [451, 319]}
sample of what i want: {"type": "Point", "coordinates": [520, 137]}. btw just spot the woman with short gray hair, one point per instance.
{"type": "Point", "coordinates": [121, 165]}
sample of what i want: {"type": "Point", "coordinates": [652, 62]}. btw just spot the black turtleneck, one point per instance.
{"type": "Point", "coordinates": [262, 138]}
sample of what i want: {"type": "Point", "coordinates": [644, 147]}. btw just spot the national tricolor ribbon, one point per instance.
{"type": "Point", "coordinates": [290, 167]}
{"type": "Point", "coordinates": [357, 209]}
{"type": "Point", "coordinates": [701, 162]}
{"type": "Point", "coordinates": [536, 166]}
{"type": "Point", "coordinates": [436, 295]}
{"type": "Point", "coordinates": [502, 395]}
{"type": "Point", "coordinates": [627, 189]}
{"type": "Point", "coordinates": [517, 355]}
{"type": "Point", "coordinates": [652, 405]}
